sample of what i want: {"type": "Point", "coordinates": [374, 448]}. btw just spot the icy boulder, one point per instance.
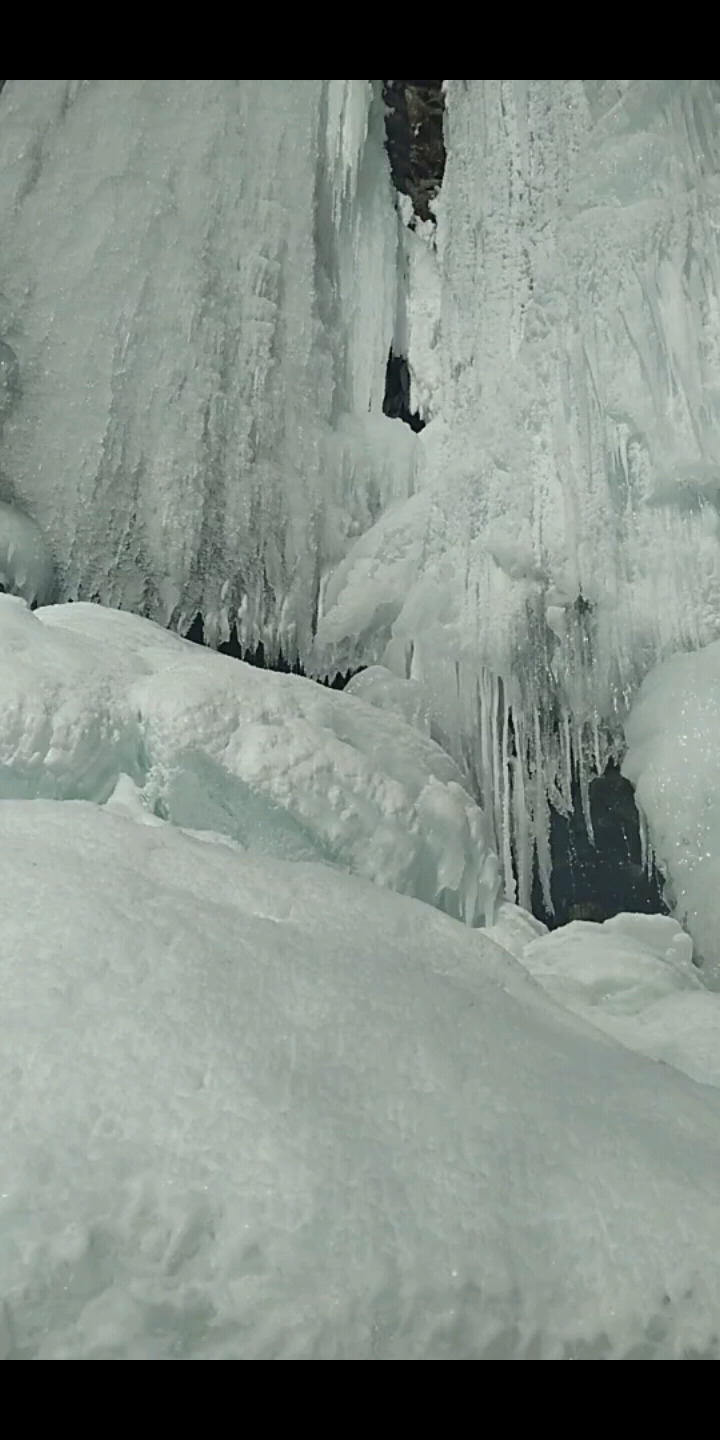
{"type": "Point", "coordinates": [277, 763]}
{"type": "Point", "coordinates": [673, 761]}
{"type": "Point", "coordinates": [25, 565]}
{"type": "Point", "coordinates": [378, 686]}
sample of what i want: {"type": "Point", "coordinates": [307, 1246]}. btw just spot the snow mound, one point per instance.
{"type": "Point", "coordinates": [632, 977]}
{"type": "Point", "coordinates": [253, 1109]}
{"type": "Point", "coordinates": [277, 763]}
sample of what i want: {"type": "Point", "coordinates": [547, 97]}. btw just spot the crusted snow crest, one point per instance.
{"type": "Point", "coordinates": [277, 763]}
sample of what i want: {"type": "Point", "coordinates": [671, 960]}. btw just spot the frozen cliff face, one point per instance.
{"type": "Point", "coordinates": [562, 336]}
{"type": "Point", "coordinates": [198, 280]}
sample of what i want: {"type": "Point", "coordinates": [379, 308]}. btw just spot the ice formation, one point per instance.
{"type": "Point", "coordinates": [198, 280]}
{"type": "Point", "coordinates": [255, 1109]}
{"type": "Point", "coordinates": [562, 335]}
{"type": "Point", "coordinates": [275, 762]}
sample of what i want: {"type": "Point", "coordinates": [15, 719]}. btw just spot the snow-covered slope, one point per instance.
{"type": "Point", "coordinates": [253, 1108]}
{"type": "Point", "coordinates": [260, 1107]}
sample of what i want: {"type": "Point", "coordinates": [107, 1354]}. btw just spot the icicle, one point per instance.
{"type": "Point", "coordinates": [510, 887]}
{"type": "Point", "coordinates": [521, 828]}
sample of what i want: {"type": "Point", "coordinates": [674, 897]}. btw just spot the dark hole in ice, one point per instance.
{"type": "Point", "coordinates": [594, 882]}
{"type": "Point", "coordinates": [396, 404]}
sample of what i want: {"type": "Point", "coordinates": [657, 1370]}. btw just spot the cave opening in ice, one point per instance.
{"type": "Point", "coordinates": [397, 403]}
{"type": "Point", "coordinates": [600, 870]}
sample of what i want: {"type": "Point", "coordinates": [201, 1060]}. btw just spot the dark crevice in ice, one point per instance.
{"type": "Point", "coordinates": [593, 881]}
{"type": "Point", "coordinates": [258, 657]}
{"type": "Point", "coordinates": [396, 403]}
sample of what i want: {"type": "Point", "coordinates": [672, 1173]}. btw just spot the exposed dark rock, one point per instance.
{"type": "Point", "coordinates": [415, 142]}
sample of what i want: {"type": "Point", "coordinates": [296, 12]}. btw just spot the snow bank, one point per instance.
{"type": "Point", "coordinates": [254, 1109]}
{"type": "Point", "coordinates": [277, 763]}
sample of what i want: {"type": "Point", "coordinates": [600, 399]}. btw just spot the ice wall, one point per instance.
{"type": "Point", "coordinates": [198, 286]}
{"type": "Point", "coordinates": [563, 338]}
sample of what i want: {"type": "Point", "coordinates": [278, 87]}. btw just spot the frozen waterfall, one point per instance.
{"type": "Point", "coordinates": [200, 282]}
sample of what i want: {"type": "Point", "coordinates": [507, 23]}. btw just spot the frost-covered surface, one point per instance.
{"type": "Point", "coordinates": [277, 763]}
{"type": "Point", "coordinates": [673, 761]}
{"type": "Point", "coordinates": [198, 292]}
{"type": "Point", "coordinates": [254, 1108]}
{"type": "Point", "coordinates": [633, 977]}
{"type": "Point", "coordinates": [563, 327]}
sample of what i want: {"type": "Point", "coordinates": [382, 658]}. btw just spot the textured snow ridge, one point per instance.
{"type": "Point", "coordinates": [254, 1109]}
{"type": "Point", "coordinates": [198, 287]}
{"type": "Point", "coordinates": [563, 339]}
{"type": "Point", "coordinates": [92, 697]}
